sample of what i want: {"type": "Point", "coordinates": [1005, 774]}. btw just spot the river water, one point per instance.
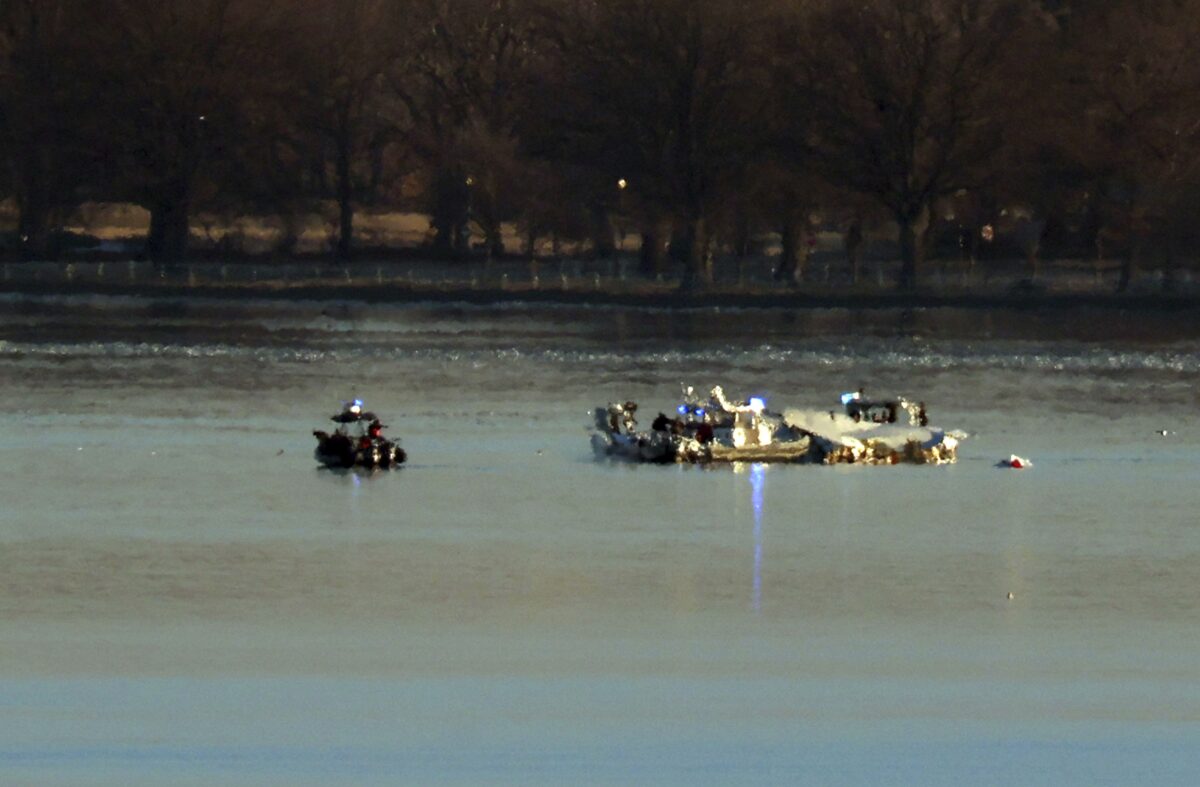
{"type": "Point", "coordinates": [186, 599]}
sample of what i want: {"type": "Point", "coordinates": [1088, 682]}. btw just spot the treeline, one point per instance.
{"type": "Point", "coordinates": [694, 124]}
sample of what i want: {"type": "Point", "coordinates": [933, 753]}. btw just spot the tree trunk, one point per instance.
{"type": "Point", "coordinates": [493, 237]}
{"type": "Point", "coordinates": [289, 238]}
{"type": "Point", "coordinates": [1169, 272]}
{"type": "Point", "coordinates": [602, 234]}
{"type": "Point", "coordinates": [698, 272]}
{"type": "Point", "coordinates": [793, 257]}
{"type": "Point", "coordinates": [910, 252]}
{"type": "Point", "coordinates": [741, 234]}
{"type": "Point", "coordinates": [854, 243]}
{"type": "Point", "coordinates": [975, 235]}
{"type": "Point", "coordinates": [168, 238]}
{"type": "Point", "coordinates": [652, 257]}
{"type": "Point", "coordinates": [345, 199]}
{"type": "Point", "coordinates": [451, 197]}
{"type": "Point", "coordinates": [33, 224]}
{"type": "Point", "coordinates": [649, 254]}
{"type": "Point", "coordinates": [531, 242]}
{"type": "Point", "coordinates": [1128, 267]}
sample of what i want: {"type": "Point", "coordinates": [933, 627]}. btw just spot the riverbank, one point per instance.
{"type": "Point", "coordinates": [598, 292]}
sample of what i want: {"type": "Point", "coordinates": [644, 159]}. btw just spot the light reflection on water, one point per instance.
{"type": "Point", "coordinates": [758, 482]}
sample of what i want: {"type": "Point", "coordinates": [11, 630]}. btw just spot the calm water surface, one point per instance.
{"type": "Point", "coordinates": [186, 599]}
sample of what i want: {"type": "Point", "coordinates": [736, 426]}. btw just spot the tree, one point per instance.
{"type": "Point", "coordinates": [40, 112]}
{"type": "Point", "coordinates": [171, 97]}
{"type": "Point", "coordinates": [666, 95]}
{"type": "Point", "coordinates": [343, 54]}
{"type": "Point", "coordinates": [467, 97]}
{"type": "Point", "coordinates": [905, 100]}
{"type": "Point", "coordinates": [1136, 80]}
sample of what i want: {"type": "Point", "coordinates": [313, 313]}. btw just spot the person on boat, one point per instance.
{"type": "Point", "coordinates": [629, 408]}
{"type": "Point", "coordinates": [375, 430]}
{"type": "Point", "coordinates": [619, 414]}
{"type": "Point", "coordinates": [661, 424]}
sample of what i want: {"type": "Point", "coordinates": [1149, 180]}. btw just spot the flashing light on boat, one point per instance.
{"type": "Point", "coordinates": [682, 409]}
{"type": "Point", "coordinates": [757, 405]}
{"type": "Point", "coordinates": [847, 398]}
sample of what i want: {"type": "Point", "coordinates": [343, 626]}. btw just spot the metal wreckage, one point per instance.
{"type": "Point", "coordinates": [715, 429]}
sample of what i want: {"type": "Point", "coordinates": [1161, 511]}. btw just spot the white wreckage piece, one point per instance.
{"type": "Point", "coordinates": [716, 429]}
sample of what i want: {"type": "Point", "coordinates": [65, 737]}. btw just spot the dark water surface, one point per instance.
{"type": "Point", "coordinates": [186, 599]}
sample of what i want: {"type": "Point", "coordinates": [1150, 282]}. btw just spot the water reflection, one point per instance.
{"type": "Point", "coordinates": [758, 484]}
{"type": "Point", "coordinates": [353, 476]}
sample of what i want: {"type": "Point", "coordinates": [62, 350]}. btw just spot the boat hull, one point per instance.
{"type": "Point", "coordinates": [344, 453]}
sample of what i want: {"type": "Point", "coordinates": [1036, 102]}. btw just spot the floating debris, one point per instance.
{"type": "Point", "coordinates": [716, 429]}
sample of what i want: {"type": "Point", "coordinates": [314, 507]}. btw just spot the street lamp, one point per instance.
{"type": "Point", "coordinates": [622, 184]}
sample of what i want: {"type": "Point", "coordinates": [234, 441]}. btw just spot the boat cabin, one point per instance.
{"type": "Point", "coordinates": [886, 411]}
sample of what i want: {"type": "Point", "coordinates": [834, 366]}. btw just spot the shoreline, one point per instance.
{"type": "Point", "coordinates": [657, 298]}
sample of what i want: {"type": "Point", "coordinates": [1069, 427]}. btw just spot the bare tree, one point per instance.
{"type": "Point", "coordinates": [1135, 79]}
{"type": "Point", "coordinates": [666, 95]}
{"type": "Point", "coordinates": [467, 95]}
{"type": "Point", "coordinates": [905, 100]}
{"type": "Point", "coordinates": [171, 97]}
{"type": "Point", "coordinates": [39, 113]}
{"type": "Point", "coordinates": [343, 54]}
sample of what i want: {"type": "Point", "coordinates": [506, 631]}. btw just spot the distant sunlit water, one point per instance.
{"type": "Point", "coordinates": [186, 599]}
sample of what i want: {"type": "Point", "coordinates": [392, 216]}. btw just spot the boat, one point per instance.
{"type": "Point", "coordinates": [716, 429]}
{"type": "Point", "coordinates": [357, 441]}
{"type": "Point", "coordinates": [702, 430]}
